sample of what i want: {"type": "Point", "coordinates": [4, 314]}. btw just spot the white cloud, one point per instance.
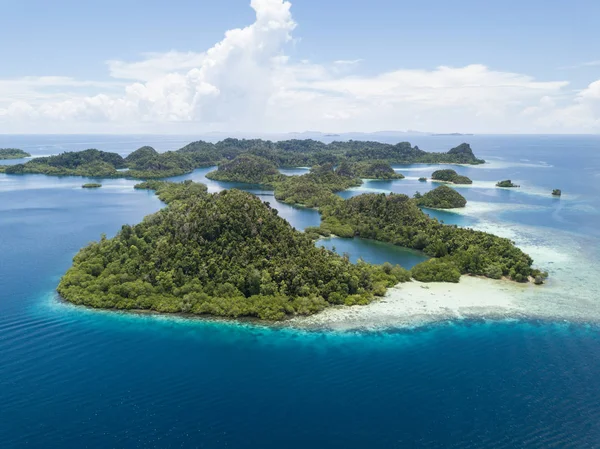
{"type": "Point", "coordinates": [155, 65]}
{"type": "Point", "coordinates": [246, 82]}
{"type": "Point", "coordinates": [347, 61]}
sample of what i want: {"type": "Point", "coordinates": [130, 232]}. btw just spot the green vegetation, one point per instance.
{"type": "Point", "coordinates": [369, 159]}
{"type": "Point", "coordinates": [246, 168]}
{"type": "Point", "coordinates": [557, 192]}
{"type": "Point", "coordinates": [317, 188]}
{"type": "Point", "coordinates": [506, 183]}
{"type": "Point", "coordinates": [369, 170]}
{"type": "Point", "coordinates": [443, 197]}
{"type": "Point", "coordinates": [93, 163]}
{"type": "Point", "coordinates": [141, 155]}
{"type": "Point", "coordinates": [398, 220]}
{"type": "Point", "coordinates": [422, 179]}
{"type": "Point", "coordinates": [91, 185]}
{"type": "Point", "coordinates": [448, 175]}
{"type": "Point", "coordinates": [13, 153]}
{"type": "Point", "coordinates": [436, 270]}
{"type": "Point", "coordinates": [224, 254]}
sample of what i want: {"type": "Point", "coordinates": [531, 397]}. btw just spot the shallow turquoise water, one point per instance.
{"type": "Point", "coordinates": [70, 377]}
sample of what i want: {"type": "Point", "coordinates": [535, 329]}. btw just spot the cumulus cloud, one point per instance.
{"type": "Point", "coordinates": [155, 65]}
{"type": "Point", "coordinates": [246, 82]}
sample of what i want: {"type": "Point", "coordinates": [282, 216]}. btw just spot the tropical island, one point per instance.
{"type": "Point", "coordinates": [13, 153]}
{"type": "Point", "coordinates": [229, 254]}
{"type": "Point", "coordinates": [91, 185]}
{"type": "Point", "coordinates": [372, 170]}
{"type": "Point", "coordinates": [556, 192]}
{"type": "Point", "coordinates": [442, 197]}
{"type": "Point", "coordinates": [422, 179]}
{"type": "Point", "coordinates": [224, 254]}
{"type": "Point", "coordinates": [506, 183]}
{"type": "Point", "coordinates": [370, 159]}
{"type": "Point", "coordinates": [451, 176]}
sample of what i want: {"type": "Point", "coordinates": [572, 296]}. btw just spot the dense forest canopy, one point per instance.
{"type": "Point", "coordinates": [378, 169]}
{"type": "Point", "coordinates": [230, 254]}
{"type": "Point", "coordinates": [246, 168]}
{"type": "Point", "coordinates": [442, 197]}
{"type": "Point", "coordinates": [397, 219]}
{"type": "Point", "coordinates": [316, 188]}
{"type": "Point", "coordinates": [448, 175]}
{"type": "Point", "coordinates": [148, 163]}
{"type": "Point", "coordinates": [225, 254]}
{"type": "Point", "coordinates": [13, 153]}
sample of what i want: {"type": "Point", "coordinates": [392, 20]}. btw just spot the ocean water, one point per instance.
{"type": "Point", "coordinates": [72, 377]}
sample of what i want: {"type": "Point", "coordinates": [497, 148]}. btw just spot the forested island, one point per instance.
{"type": "Point", "coordinates": [13, 153]}
{"type": "Point", "coordinates": [506, 183]}
{"type": "Point", "coordinates": [229, 254]}
{"type": "Point", "coordinates": [224, 254]}
{"type": "Point", "coordinates": [369, 159]}
{"type": "Point", "coordinates": [442, 197]}
{"type": "Point", "coordinates": [448, 175]}
{"type": "Point", "coordinates": [91, 185]}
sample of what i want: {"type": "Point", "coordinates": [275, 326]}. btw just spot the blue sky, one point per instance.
{"type": "Point", "coordinates": [353, 65]}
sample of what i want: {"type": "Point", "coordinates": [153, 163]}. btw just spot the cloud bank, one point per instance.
{"type": "Point", "coordinates": [246, 82]}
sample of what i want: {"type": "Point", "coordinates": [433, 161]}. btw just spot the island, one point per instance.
{"type": "Point", "coordinates": [224, 254]}
{"type": "Point", "coordinates": [422, 179]}
{"type": "Point", "coordinates": [13, 153]}
{"type": "Point", "coordinates": [246, 168]}
{"type": "Point", "coordinates": [451, 176]}
{"type": "Point", "coordinates": [370, 159]}
{"type": "Point", "coordinates": [91, 185]}
{"type": "Point", "coordinates": [442, 197]}
{"type": "Point", "coordinates": [557, 192]}
{"type": "Point", "coordinates": [371, 170]}
{"type": "Point", "coordinates": [506, 183]}
{"type": "Point", "coordinates": [229, 254]}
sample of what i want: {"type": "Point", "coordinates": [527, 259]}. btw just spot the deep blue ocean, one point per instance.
{"type": "Point", "coordinates": [76, 378]}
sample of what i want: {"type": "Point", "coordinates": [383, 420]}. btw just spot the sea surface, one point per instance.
{"type": "Point", "coordinates": [76, 378]}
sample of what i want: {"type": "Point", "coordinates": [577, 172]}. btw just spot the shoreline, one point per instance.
{"type": "Point", "coordinates": [407, 306]}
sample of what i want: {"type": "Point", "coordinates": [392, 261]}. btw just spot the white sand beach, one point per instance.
{"type": "Point", "coordinates": [415, 303]}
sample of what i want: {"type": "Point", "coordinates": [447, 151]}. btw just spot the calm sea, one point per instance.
{"type": "Point", "coordinates": [71, 377]}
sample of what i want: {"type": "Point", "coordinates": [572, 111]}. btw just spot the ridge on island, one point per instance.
{"type": "Point", "coordinates": [13, 153]}
{"type": "Point", "coordinates": [146, 162]}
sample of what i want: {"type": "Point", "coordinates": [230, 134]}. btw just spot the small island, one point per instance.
{"type": "Point", "coordinates": [246, 168]}
{"type": "Point", "coordinates": [422, 179]}
{"type": "Point", "coordinates": [506, 183]}
{"type": "Point", "coordinates": [371, 170]}
{"type": "Point", "coordinates": [13, 153]}
{"type": "Point", "coordinates": [91, 185]}
{"type": "Point", "coordinates": [451, 176]}
{"type": "Point", "coordinates": [443, 197]}
{"type": "Point", "coordinates": [557, 192]}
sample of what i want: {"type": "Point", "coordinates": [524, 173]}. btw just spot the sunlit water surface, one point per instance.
{"type": "Point", "coordinates": [71, 377]}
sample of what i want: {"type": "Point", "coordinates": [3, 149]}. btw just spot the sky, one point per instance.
{"type": "Point", "coordinates": [273, 66]}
